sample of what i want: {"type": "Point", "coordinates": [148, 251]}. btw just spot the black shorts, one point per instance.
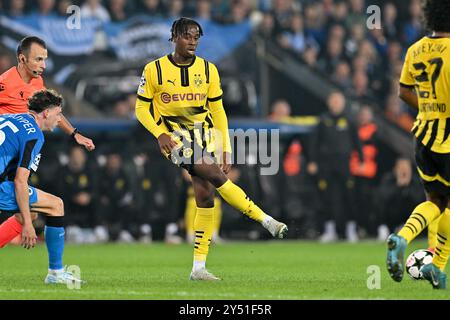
{"type": "Point", "coordinates": [434, 170]}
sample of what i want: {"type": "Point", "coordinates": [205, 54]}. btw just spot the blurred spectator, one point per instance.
{"type": "Point", "coordinates": [220, 9]}
{"type": "Point", "coordinates": [342, 76]}
{"type": "Point", "coordinates": [77, 188]}
{"type": "Point", "coordinates": [360, 87]}
{"type": "Point", "coordinates": [239, 12]}
{"type": "Point", "coordinates": [6, 62]}
{"type": "Point", "coordinates": [378, 40]}
{"type": "Point", "coordinates": [117, 10]}
{"type": "Point", "coordinates": [315, 22]}
{"type": "Point", "coordinates": [121, 110]}
{"type": "Point", "coordinates": [397, 195]}
{"type": "Point", "coordinates": [413, 29]}
{"type": "Point", "coordinates": [357, 34]}
{"type": "Point", "coordinates": [266, 28]}
{"type": "Point", "coordinates": [295, 38]}
{"type": "Point", "coordinates": [339, 13]}
{"type": "Point", "coordinates": [310, 56]}
{"type": "Point", "coordinates": [366, 171]}
{"type": "Point", "coordinates": [390, 25]}
{"type": "Point", "coordinates": [281, 111]}
{"type": "Point", "coordinates": [154, 8]}
{"type": "Point", "coordinates": [335, 138]}
{"type": "Point", "coordinates": [46, 7]}
{"type": "Point", "coordinates": [337, 31]}
{"type": "Point", "coordinates": [357, 14]}
{"type": "Point", "coordinates": [157, 195]}
{"type": "Point", "coordinates": [203, 10]}
{"type": "Point", "coordinates": [331, 56]}
{"type": "Point", "coordinates": [95, 9]}
{"type": "Point", "coordinates": [359, 64]}
{"type": "Point", "coordinates": [16, 8]}
{"type": "Point", "coordinates": [175, 9]}
{"type": "Point", "coordinates": [63, 5]}
{"type": "Point", "coordinates": [282, 11]}
{"type": "Point", "coordinates": [116, 209]}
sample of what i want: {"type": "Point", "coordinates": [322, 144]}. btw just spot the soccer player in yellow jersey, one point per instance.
{"type": "Point", "coordinates": [180, 102]}
{"type": "Point", "coordinates": [425, 85]}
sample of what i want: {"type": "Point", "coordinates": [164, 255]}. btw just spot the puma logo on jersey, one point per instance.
{"type": "Point", "coordinates": [172, 81]}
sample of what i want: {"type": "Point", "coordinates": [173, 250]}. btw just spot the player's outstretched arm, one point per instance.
{"type": "Point", "coordinates": [22, 198]}
{"type": "Point", "coordinates": [65, 126]}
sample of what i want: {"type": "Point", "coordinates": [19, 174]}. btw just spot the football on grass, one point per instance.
{"type": "Point", "coordinates": [416, 261]}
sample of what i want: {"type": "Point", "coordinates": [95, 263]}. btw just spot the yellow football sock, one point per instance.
{"type": "Point", "coordinates": [442, 251]}
{"type": "Point", "coordinates": [237, 198]}
{"type": "Point", "coordinates": [203, 228]}
{"type": "Point", "coordinates": [432, 233]}
{"type": "Point", "coordinates": [189, 217]}
{"type": "Point", "coordinates": [217, 215]}
{"type": "Point", "coordinates": [422, 215]}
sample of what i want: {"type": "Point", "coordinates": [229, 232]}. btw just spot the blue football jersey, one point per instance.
{"type": "Point", "coordinates": [21, 141]}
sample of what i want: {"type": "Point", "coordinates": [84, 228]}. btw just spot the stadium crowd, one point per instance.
{"type": "Point", "coordinates": [120, 195]}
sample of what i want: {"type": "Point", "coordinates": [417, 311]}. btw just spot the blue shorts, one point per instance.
{"type": "Point", "coordinates": [8, 196]}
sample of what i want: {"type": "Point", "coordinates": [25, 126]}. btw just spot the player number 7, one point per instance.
{"type": "Point", "coordinates": [3, 125]}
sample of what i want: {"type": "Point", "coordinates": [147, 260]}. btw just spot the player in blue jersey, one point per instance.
{"type": "Point", "coordinates": [21, 140]}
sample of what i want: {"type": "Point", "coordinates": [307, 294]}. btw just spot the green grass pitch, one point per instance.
{"type": "Point", "coordinates": [285, 270]}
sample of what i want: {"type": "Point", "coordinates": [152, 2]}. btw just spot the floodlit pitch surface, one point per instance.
{"type": "Point", "coordinates": [275, 270]}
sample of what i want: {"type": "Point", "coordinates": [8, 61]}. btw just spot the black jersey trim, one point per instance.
{"type": "Point", "coordinates": [433, 133]}
{"type": "Point", "coordinates": [215, 99]}
{"type": "Point", "coordinates": [10, 170]}
{"type": "Point", "coordinates": [27, 152]}
{"type": "Point", "coordinates": [144, 99]}
{"type": "Point", "coordinates": [184, 77]}
{"type": "Point", "coordinates": [207, 71]}
{"type": "Point", "coordinates": [446, 130]}
{"type": "Point", "coordinates": [409, 86]}
{"type": "Point", "coordinates": [159, 72]}
{"type": "Point", "coordinates": [169, 56]}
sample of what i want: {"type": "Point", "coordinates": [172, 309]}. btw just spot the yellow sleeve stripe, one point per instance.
{"type": "Point", "coordinates": [215, 99]}
{"type": "Point", "coordinates": [144, 99]}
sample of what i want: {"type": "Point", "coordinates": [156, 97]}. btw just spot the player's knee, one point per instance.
{"type": "Point", "coordinates": [439, 200]}
{"type": "Point", "coordinates": [217, 178]}
{"type": "Point", "coordinates": [58, 207]}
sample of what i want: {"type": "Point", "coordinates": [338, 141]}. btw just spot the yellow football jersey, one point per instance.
{"type": "Point", "coordinates": [427, 70]}
{"type": "Point", "coordinates": [180, 93]}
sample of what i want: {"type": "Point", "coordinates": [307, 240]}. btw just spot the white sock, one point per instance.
{"type": "Point", "coordinates": [55, 271]}
{"type": "Point", "coordinates": [198, 265]}
{"type": "Point", "coordinates": [266, 221]}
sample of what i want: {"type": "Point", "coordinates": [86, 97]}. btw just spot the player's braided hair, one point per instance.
{"type": "Point", "coordinates": [44, 99]}
{"type": "Point", "coordinates": [180, 27]}
{"type": "Point", "coordinates": [437, 15]}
